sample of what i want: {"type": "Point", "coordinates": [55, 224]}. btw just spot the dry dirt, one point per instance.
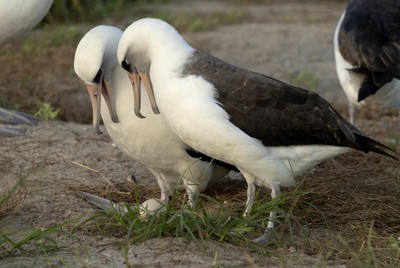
{"type": "Point", "coordinates": [52, 159]}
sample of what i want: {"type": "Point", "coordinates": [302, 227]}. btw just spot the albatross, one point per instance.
{"type": "Point", "coordinates": [16, 18]}
{"type": "Point", "coordinates": [269, 130]}
{"type": "Point", "coordinates": [149, 141]}
{"type": "Point", "coordinates": [367, 53]}
{"type": "Point", "coordinates": [20, 16]}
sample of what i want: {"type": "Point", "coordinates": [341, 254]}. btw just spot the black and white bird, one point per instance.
{"type": "Point", "coordinates": [149, 141]}
{"type": "Point", "coordinates": [271, 131]}
{"type": "Point", "coordinates": [367, 53]}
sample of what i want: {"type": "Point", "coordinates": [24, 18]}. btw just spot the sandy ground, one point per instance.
{"type": "Point", "coordinates": [52, 159]}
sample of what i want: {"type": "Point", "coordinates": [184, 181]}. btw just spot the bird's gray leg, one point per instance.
{"type": "Point", "coordinates": [189, 179]}
{"type": "Point", "coordinates": [192, 181]}
{"type": "Point", "coordinates": [196, 176]}
{"type": "Point", "coordinates": [275, 191]}
{"type": "Point", "coordinates": [165, 193]}
{"type": "Point", "coordinates": [251, 192]}
{"type": "Point", "coordinates": [192, 190]}
{"type": "Point", "coordinates": [352, 111]}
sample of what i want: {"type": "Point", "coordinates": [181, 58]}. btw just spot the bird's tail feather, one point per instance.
{"type": "Point", "coordinates": [369, 145]}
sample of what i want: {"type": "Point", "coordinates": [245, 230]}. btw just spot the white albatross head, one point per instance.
{"type": "Point", "coordinates": [143, 41]}
{"type": "Point", "coordinates": [95, 57]}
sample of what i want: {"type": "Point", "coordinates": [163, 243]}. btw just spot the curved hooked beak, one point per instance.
{"type": "Point", "coordinates": [94, 94]}
{"type": "Point", "coordinates": [107, 94]}
{"type": "Point", "coordinates": [95, 91]}
{"type": "Point", "coordinates": [137, 96]}
{"type": "Point", "coordinates": [136, 78]}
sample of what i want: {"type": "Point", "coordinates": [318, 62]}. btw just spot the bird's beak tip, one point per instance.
{"type": "Point", "coordinates": [115, 119]}
{"type": "Point", "coordinates": [138, 114]}
{"type": "Point", "coordinates": [98, 131]}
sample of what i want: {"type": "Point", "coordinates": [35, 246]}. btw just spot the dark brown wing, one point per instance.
{"type": "Point", "coordinates": [276, 113]}
{"type": "Point", "coordinates": [369, 39]}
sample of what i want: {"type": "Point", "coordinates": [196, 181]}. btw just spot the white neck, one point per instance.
{"type": "Point", "coordinates": [169, 55]}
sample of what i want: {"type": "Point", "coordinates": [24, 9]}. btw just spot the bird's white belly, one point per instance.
{"type": "Point", "coordinates": [301, 158]}
{"type": "Point", "coordinates": [147, 141]}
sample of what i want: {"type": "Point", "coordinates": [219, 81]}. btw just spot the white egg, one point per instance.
{"type": "Point", "coordinates": [151, 206]}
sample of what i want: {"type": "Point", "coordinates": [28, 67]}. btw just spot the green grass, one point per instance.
{"type": "Point", "coordinates": [214, 220]}
{"type": "Point", "coordinates": [32, 243]}
{"type": "Point", "coordinates": [21, 241]}
{"type": "Point", "coordinates": [210, 220]}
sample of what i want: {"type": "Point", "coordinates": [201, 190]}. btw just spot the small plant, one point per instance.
{"type": "Point", "coordinates": [47, 112]}
{"type": "Point", "coordinates": [34, 242]}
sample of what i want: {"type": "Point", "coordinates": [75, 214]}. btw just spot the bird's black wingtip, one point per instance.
{"type": "Point", "coordinates": [367, 89]}
{"type": "Point", "coordinates": [370, 145]}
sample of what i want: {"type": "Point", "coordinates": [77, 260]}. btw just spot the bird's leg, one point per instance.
{"type": "Point", "coordinates": [251, 192]}
{"type": "Point", "coordinates": [192, 189]}
{"type": "Point", "coordinates": [165, 192]}
{"type": "Point", "coordinates": [352, 111]}
{"type": "Point", "coordinates": [275, 191]}
{"type": "Point", "coordinates": [196, 176]}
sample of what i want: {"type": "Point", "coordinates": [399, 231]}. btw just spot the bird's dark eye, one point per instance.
{"type": "Point", "coordinates": [99, 76]}
{"type": "Point", "coordinates": [126, 66]}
